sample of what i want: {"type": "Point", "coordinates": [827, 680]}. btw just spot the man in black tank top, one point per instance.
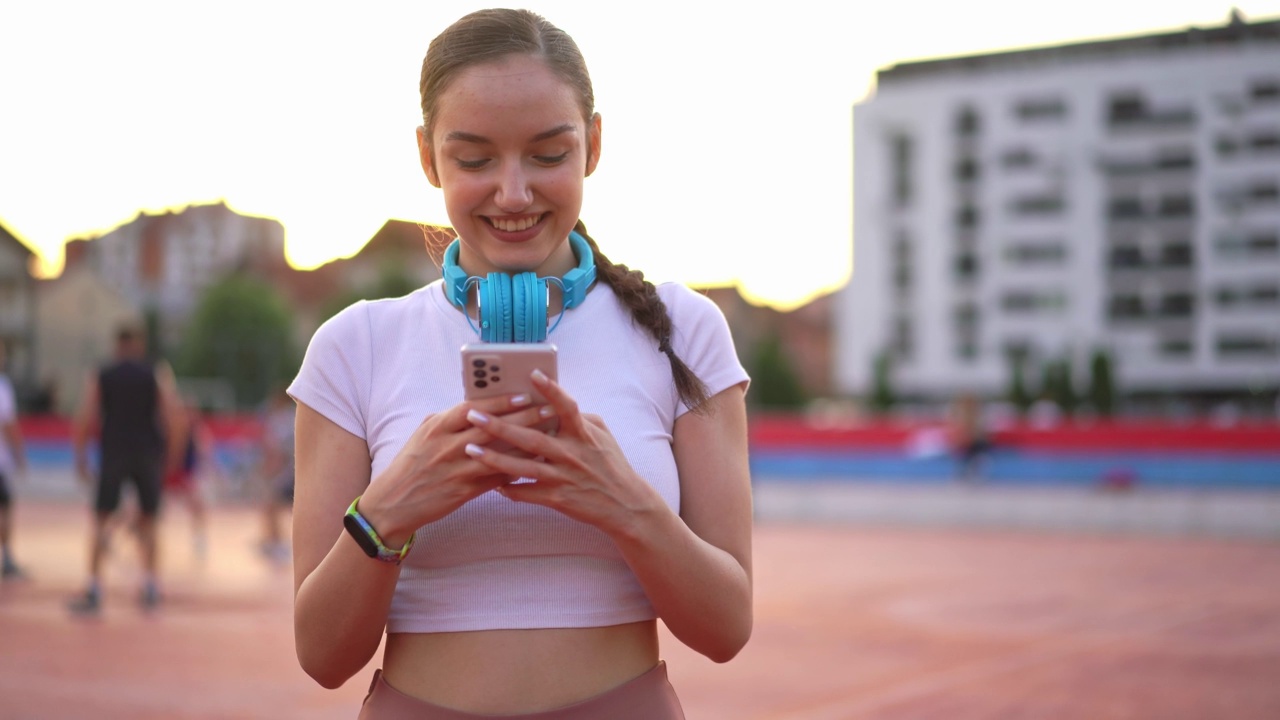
{"type": "Point", "coordinates": [134, 404]}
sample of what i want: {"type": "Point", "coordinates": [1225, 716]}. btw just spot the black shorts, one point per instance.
{"type": "Point", "coordinates": [142, 469]}
{"type": "Point", "coordinates": [5, 498]}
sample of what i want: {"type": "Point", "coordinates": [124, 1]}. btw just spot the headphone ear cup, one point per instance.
{"type": "Point", "coordinates": [495, 308]}
{"type": "Point", "coordinates": [530, 324]}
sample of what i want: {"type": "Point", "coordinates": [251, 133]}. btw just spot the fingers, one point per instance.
{"type": "Point", "coordinates": [455, 419]}
{"type": "Point", "coordinates": [566, 407]}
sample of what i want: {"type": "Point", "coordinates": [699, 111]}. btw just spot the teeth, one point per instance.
{"type": "Point", "coordinates": [514, 225]}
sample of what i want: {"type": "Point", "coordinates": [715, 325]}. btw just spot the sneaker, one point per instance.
{"type": "Point", "coordinates": [87, 605]}
{"type": "Point", "coordinates": [149, 598]}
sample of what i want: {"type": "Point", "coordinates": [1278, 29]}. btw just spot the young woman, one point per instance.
{"type": "Point", "coordinates": [531, 579]}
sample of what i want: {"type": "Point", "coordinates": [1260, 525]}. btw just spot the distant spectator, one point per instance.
{"type": "Point", "coordinates": [277, 472]}
{"type": "Point", "coordinates": [13, 461]}
{"type": "Point", "coordinates": [969, 436]}
{"type": "Point", "coordinates": [181, 480]}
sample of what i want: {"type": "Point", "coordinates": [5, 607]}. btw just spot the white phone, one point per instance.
{"type": "Point", "coordinates": [490, 369]}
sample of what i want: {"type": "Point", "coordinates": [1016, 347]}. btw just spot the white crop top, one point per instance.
{"type": "Point", "coordinates": [378, 368]}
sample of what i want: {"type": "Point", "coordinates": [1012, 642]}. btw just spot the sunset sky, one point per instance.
{"type": "Point", "coordinates": [727, 133]}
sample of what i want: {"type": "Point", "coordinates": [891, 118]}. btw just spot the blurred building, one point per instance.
{"type": "Point", "coordinates": [1121, 195]}
{"type": "Point", "coordinates": [803, 335]}
{"type": "Point", "coordinates": [17, 311]}
{"type": "Point", "coordinates": [77, 318]}
{"type": "Point", "coordinates": [162, 263]}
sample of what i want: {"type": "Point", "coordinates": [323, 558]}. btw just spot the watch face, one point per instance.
{"type": "Point", "coordinates": [362, 538]}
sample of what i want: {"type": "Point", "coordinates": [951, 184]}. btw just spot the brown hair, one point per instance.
{"type": "Point", "coordinates": [489, 35]}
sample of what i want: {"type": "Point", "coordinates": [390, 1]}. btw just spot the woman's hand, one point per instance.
{"type": "Point", "coordinates": [433, 475]}
{"type": "Point", "coordinates": [581, 471]}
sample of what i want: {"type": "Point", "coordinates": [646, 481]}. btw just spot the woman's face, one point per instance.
{"type": "Point", "coordinates": [510, 150]}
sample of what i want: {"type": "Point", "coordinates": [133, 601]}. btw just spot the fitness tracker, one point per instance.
{"type": "Point", "coordinates": [369, 540]}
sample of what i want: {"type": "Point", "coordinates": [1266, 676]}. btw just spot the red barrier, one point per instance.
{"type": "Point", "coordinates": [781, 432]}
{"type": "Point", "coordinates": [225, 428]}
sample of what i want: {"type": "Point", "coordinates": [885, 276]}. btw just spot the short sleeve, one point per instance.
{"type": "Point", "coordinates": [336, 374]}
{"type": "Point", "coordinates": [702, 340]}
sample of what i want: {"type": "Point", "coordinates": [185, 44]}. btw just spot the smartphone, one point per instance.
{"type": "Point", "coordinates": [490, 369]}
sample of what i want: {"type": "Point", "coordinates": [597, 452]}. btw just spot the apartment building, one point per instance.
{"type": "Point", "coordinates": [1118, 195]}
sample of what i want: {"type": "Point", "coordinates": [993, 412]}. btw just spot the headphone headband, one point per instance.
{"type": "Point", "coordinates": [513, 308]}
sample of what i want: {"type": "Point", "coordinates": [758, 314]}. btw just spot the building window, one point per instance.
{"type": "Point", "coordinates": [902, 159]}
{"type": "Point", "coordinates": [1126, 307]}
{"type": "Point", "coordinates": [1257, 245]}
{"type": "Point", "coordinates": [1265, 90]}
{"type": "Point", "coordinates": [1175, 159]}
{"type": "Point", "coordinates": [1125, 208]}
{"type": "Point", "coordinates": [965, 321]}
{"type": "Point", "coordinates": [966, 267]}
{"type": "Point", "coordinates": [1037, 205]}
{"type": "Point", "coordinates": [967, 169]}
{"type": "Point", "coordinates": [1126, 257]}
{"type": "Point", "coordinates": [1262, 296]}
{"type": "Point", "coordinates": [1027, 301]}
{"type": "Point", "coordinates": [1126, 108]}
{"type": "Point", "coordinates": [967, 217]}
{"type": "Point", "coordinates": [902, 276]}
{"type": "Point", "coordinates": [1247, 346]}
{"type": "Point", "coordinates": [903, 337]}
{"type": "Point", "coordinates": [968, 122]}
{"type": "Point", "coordinates": [1177, 255]}
{"type": "Point", "coordinates": [1036, 253]}
{"type": "Point", "coordinates": [1265, 142]}
{"type": "Point", "coordinates": [1176, 348]}
{"type": "Point", "coordinates": [1041, 109]}
{"type": "Point", "coordinates": [1177, 305]}
{"type": "Point", "coordinates": [1017, 158]}
{"type": "Point", "coordinates": [1177, 206]}
{"type": "Point", "coordinates": [1264, 192]}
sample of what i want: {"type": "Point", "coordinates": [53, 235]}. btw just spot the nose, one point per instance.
{"type": "Point", "coordinates": [513, 193]}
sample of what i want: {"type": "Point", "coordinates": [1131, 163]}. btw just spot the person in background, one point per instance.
{"type": "Point", "coordinates": [13, 462]}
{"type": "Point", "coordinates": [539, 573]}
{"type": "Point", "coordinates": [182, 480]}
{"type": "Point", "coordinates": [277, 473]}
{"type": "Point", "coordinates": [135, 407]}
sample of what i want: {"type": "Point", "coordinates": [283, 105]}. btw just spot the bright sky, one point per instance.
{"type": "Point", "coordinates": [727, 132]}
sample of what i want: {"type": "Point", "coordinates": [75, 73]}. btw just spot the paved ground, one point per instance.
{"type": "Point", "coordinates": [854, 620]}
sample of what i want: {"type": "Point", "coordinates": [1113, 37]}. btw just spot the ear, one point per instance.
{"type": "Point", "coordinates": [593, 143]}
{"type": "Point", "coordinates": [427, 157]}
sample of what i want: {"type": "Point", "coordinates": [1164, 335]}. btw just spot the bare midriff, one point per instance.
{"type": "Point", "coordinates": [504, 672]}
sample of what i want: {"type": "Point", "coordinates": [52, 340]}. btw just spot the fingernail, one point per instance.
{"type": "Point", "coordinates": [519, 400]}
{"type": "Point", "coordinates": [546, 411]}
{"type": "Point", "coordinates": [539, 376]}
{"type": "Point", "coordinates": [474, 450]}
{"type": "Point", "coordinates": [477, 417]}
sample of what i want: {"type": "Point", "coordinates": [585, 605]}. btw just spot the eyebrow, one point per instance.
{"type": "Point", "coordinates": [482, 140]}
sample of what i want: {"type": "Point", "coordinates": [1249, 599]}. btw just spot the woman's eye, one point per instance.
{"type": "Point", "coordinates": [551, 159]}
{"type": "Point", "coordinates": [472, 164]}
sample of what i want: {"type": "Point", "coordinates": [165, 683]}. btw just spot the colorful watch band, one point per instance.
{"type": "Point", "coordinates": [369, 540]}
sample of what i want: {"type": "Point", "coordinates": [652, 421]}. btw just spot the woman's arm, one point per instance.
{"type": "Point", "coordinates": [341, 595]}
{"type": "Point", "coordinates": [696, 567]}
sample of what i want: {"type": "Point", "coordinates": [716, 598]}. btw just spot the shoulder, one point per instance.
{"type": "Point", "coordinates": [683, 301]}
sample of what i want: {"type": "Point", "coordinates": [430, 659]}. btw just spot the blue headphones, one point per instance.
{"type": "Point", "coordinates": [513, 308]}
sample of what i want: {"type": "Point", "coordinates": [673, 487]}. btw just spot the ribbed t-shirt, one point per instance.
{"type": "Point", "coordinates": [378, 368]}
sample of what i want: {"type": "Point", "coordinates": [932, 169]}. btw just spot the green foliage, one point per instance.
{"type": "Point", "coordinates": [393, 281]}
{"type": "Point", "coordinates": [882, 395]}
{"type": "Point", "coordinates": [774, 383]}
{"type": "Point", "coordinates": [1058, 385]}
{"type": "Point", "coordinates": [241, 331]}
{"type": "Point", "coordinates": [1019, 395]}
{"type": "Point", "coordinates": [1102, 390]}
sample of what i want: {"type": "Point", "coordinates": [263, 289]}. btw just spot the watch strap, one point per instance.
{"type": "Point", "coordinates": [369, 539]}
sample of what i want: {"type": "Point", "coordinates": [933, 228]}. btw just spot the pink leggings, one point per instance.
{"type": "Point", "coordinates": [648, 697]}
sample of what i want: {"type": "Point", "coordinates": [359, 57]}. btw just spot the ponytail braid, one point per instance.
{"type": "Point", "coordinates": [647, 309]}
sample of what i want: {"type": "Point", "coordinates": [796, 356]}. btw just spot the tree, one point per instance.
{"type": "Point", "coordinates": [241, 331]}
{"type": "Point", "coordinates": [1058, 385]}
{"type": "Point", "coordinates": [1019, 395]}
{"type": "Point", "coordinates": [774, 383]}
{"type": "Point", "coordinates": [393, 281]}
{"type": "Point", "coordinates": [1102, 389]}
{"type": "Point", "coordinates": [882, 397]}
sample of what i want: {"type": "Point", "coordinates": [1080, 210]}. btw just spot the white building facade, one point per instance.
{"type": "Point", "coordinates": [1119, 195]}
